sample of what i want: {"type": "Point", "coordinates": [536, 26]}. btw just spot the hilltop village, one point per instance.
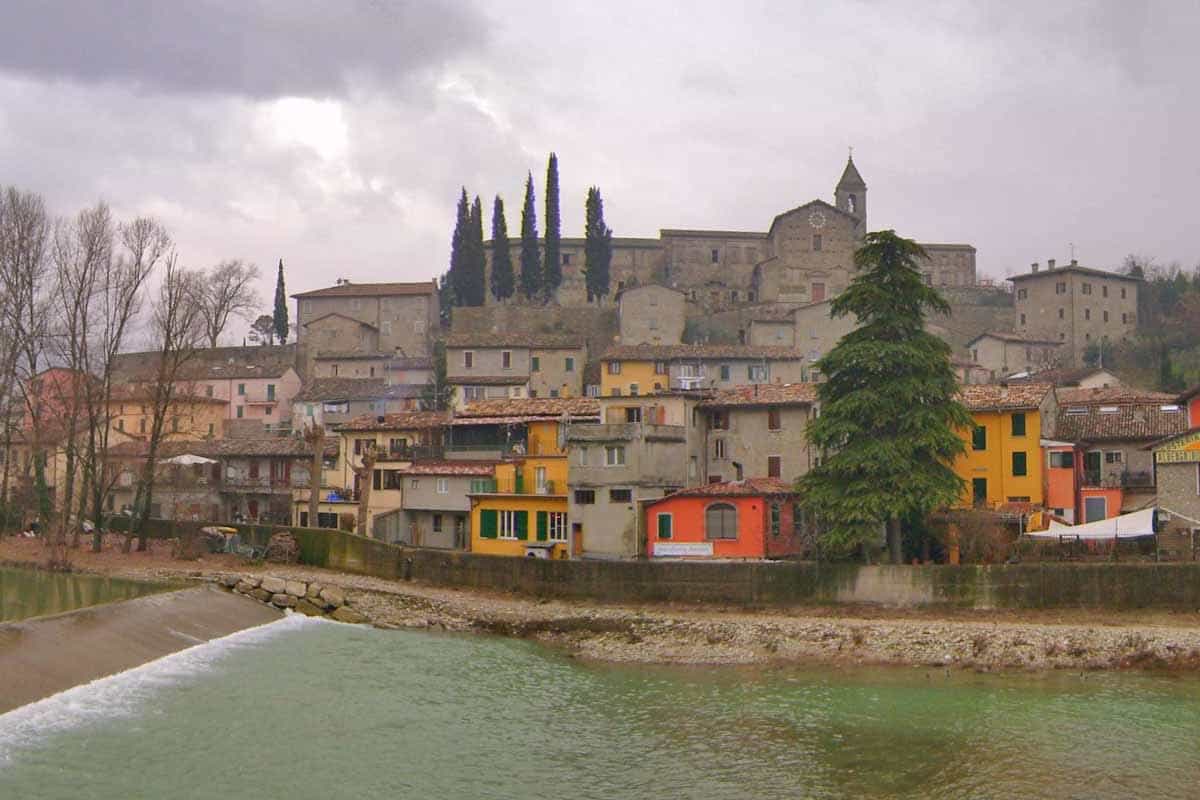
{"type": "Point", "coordinates": [664, 421]}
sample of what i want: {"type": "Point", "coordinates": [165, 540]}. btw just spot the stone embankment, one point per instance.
{"type": "Point", "coordinates": [309, 598]}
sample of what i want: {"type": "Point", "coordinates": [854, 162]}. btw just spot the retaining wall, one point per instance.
{"type": "Point", "coordinates": [1034, 585]}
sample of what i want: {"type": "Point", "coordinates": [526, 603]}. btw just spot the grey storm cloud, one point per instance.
{"type": "Point", "coordinates": [255, 48]}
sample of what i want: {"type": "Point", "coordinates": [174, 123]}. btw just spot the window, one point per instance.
{"type": "Point", "coordinates": [776, 518]}
{"type": "Point", "coordinates": [268, 410]}
{"type": "Point", "coordinates": [979, 491]}
{"type": "Point", "coordinates": [1086, 289]}
{"type": "Point", "coordinates": [816, 243]}
{"type": "Point", "coordinates": [376, 479]}
{"type": "Point", "coordinates": [569, 364]}
{"type": "Point", "coordinates": [414, 483]}
{"type": "Point", "coordinates": [363, 445]}
{"type": "Point", "coordinates": [551, 526]}
{"type": "Point", "coordinates": [614, 455]}
{"type": "Point", "coordinates": [566, 258]}
{"type": "Point", "coordinates": [665, 523]}
{"type": "Point", "coordinates": [979, 438]}
{"type": "Point", "coordinates": [716, 256]}
{"type": "Point", "coordinates": [1022, 294]}
{"type": "Point", "coordinates": [308, 306]}
{"type": "Point", "coordinates": [583, 456]}
{"type": "Point", "coordinates": [1104, 291]}
{"type": "Point", "coordinates": [818, 292]}
{"type": "Point", "coordinates": [616, 391]}
{"type": "Point", "coordinates": [1114, 457]}
{"type": "Point", "coordinates": [614, 367]}
{"type": "Point", "coordinates": [633, 390]}
{"type": "Point", "coordinates": [210, 429]}
{"type": "Point", "coordinates": [757, 373]}
{"type": "Point", "coordinates": [514, 524]}
{"type": "Point", "coordinates": [506, 359]}
{"type": "Point", "coordinates": [443, 486]}
{"type": "Point", "coordinates": [1018, 424]}
{"type": "Point", "coordinates": [633, 414]}
{"type": "Point", "coordinates": [660, 368]}
{"type": "Point", "coordinates": [535, 364]}
{"type": "Point", "coordinates": [334, 370]}
{"type": "Point", "coordinates": [437, 523]}
{"type": "Point", "coordinates": [1022, 319]}
{"type": "Point", "coordinates": [724, 372]}
{"type": "Point", "coordinates": [1019, 465]}
{"type": "Point", "coordinates": [241, 412]}
{"type": "Point", "coordinates": [242, 389]}
{"type": "Point", "coordinates": [1122, 292]}
{"type": "Point", "coordinates": [355, 304]}
{"type": "Point", "coordinates": [468, 359]}
{"type": "Point", "coordinates": [774, 466]}
{"type": "Point", "coordinates": [720, 521]}
{"type": "Point", "coordinates": [719, 420]}
{"type": "Point", "coordinates": [774, 419]}
{"type": "Point", "coordinates": [1062, 313]}
{"type": "Point", "coordinates": [208, 390]}
{"type": "Point", "coordinates": [393, 480]}
{"type": "Point", "coordinates": [1087, 313]}
{"type": "Point", "coordinates": [585, 497]}
{"type": "Point", "coordinates": [1060, 288]}
{"type": "Point", "coordinates": [121, 424]}
{"type": "Point", "coordinates": [719, 450]}
{"type": "Point", "coordinates": [620, 495]}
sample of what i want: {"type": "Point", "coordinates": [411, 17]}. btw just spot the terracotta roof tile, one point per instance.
{"type": "Point", "coordinates": [1144, 421]}
{"type": "Point", "coordinates": [764, 394]}
{"type": "Point", "coordinates": [212, 363]}
{"type": "Point", "coordinates": [371, 290]}
{"type": "Point", "coordinates": [401, 421]}
{"type": "Point", "coordinates": [680, 352]}
{"type": "Point", "coordinates": [1112, 395]}
{"type": "Point", "coordinates": [1059, 377]}
{"type": "Point", "coordinates": [533, 407]}
{"type": "Point", "coordinates": [747, 487]}
{"type": "Point", "coordinates": [478, 468]}
{"type": "Point", "coordinates": [216, 448]}
{"type": "Point", "coordinates": [325, 389]}
{"type": "Point", "coordinates": [997, 397]}
{"type": "Point", "coordinates": [487, 380]}
{"type": "Point", "coordinates": [534, 341]}
{"type": "Point", "coordinates": [1099, 273]}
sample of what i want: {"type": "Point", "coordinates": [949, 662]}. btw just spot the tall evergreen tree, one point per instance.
{"type": "Point", "coordinates": [474, 261]}
{"type": "Point", "coordinates": [890, 418]}
{"type": "Point", "coordinates": [281, 307]}
{"type": "Point", "coordinates": [597, 247]}
{"type": "Point", "coordinates": [552, 267]}
{"type": "Point", "coordinates": [458, 247]}
{"type": "Point", "coordinates": [502, 268]}
{"type": "Point", "coordinates": [531, 260]}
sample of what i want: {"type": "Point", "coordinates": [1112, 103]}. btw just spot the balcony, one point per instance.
{"type": "Point", "coordinates": [263, 484]}
{"type": "Point", "coordinates": [511, 486]}
{"type": "Point", "coordinates": [1119, 480]}
{"type": "Point", "coordinates": [266, 399]}
{"type": "Point", "coordinates": [412, 453]}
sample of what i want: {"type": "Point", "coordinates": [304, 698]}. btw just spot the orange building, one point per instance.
{"type": "Point", "coordinates": [1190, 400]}
{"type": "Point", "coordinates": [754, 518]}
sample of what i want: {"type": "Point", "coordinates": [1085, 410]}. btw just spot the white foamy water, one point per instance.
{"type": "Point", "coordinates": [128, 694]}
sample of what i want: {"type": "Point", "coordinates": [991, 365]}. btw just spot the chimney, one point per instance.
{"type": "Point", "coordinates": [1074, 263]}
{"type": "Point", "coordinates": [1049, 263]}
{"type": "Point", "coordinates": [1035, 266]}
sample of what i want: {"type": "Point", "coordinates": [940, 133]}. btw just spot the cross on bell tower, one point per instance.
{"type": "Point", "coordinates": [851, 194]}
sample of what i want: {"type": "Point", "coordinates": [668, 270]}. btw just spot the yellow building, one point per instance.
{"type": "Point", "coordinates": [524, 510]}
{"type": "Point", "coordinates": [1003, 459]}
{"type": "Point", "coordinates": [189, 418]}
{"type": "Point", "coordinates": [631, 370]}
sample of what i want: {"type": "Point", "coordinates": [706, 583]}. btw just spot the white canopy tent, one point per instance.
{"type": "Point", "coordinates": [187, 459]}
{"type": "Point", "coordinates": [1123, 526]}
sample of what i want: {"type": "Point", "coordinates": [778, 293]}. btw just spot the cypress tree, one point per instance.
{"type": "Point", "coordinates": [478, 256]}
{"type": "Point", "coordinates": [281, 309]}
{"type": "Point", "coordinates": [531, 266]}
{"type": "Point", "coordinates": [890, 419]}
{"type": "Point", "coordinates": [502, 269]}
{"type": "Point", "coordinates": [458, 246]}
{"type": "Point", "coordinates": [552, 269]}
{"type": "Point", "coordinates": [597, 246]}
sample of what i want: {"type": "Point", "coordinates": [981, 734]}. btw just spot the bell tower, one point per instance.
{"type": "Point", "coordinates": [851, 195]}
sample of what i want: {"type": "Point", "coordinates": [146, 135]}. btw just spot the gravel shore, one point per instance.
{"type": "Point", "coordinates": [1070, 639]}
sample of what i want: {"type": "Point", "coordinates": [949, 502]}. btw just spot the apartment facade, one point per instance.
{"type": "Point", "coordinates": [1003, 458]}
{"type": "Point", "coordinates": [1003, 354]}
{"type": "Point", "coordinates": [758, 431]}
{"type": "Point", "coordinates": [1077, 306]}
{"type": "Point", "coordinates": [632, 370]}
{"type": "Point", "coordinates": [498, 366]}
{"type": "Point", "coordinates": [334, 401]}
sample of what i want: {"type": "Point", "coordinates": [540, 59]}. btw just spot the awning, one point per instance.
{"type": "Point", "coordinates": [1123, 526]}
{"type": "Point", "coordinates": [187, 459]}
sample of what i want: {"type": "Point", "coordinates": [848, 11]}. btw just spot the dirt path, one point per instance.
{"type": "Point", "coordinates": [1059, 639]}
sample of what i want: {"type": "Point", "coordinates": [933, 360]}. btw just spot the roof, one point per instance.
{"type": "Point", "coordinates": [677, 352]}
{"type": "Point", "coordinates": [128, 392]}
{"type": "Point", "coordinates": [343, 316]}
{"type": "Point", "coordinates": [487, 380]}
{"type": "Point", "coordinates": [1012, 337]}
{"type": "Point", "coordinates": [1112, 395]}
{"type": "Point", "coordinates": [371, 290]}
{"type": "Point", "coordinates": [324, 389]}
{"type": "Point", "coordinates": [1189, 394]}
{"type": "Point", "coordinates": [400, 421]}
{"type": "Point", "coordinates": [216, 448]}
{"type": "Point", "coordinates": [824, 207]}
{"type": "Point", "coordinates": [551, 407]}
{"type": "Point", "coordinates": [764, 394]}
{"type": "Point", "coordinates": [744, 488]}
{"type": "Point", "coordinates": [535, 341]}
{"type": "Point", "coordinates": [469, 468]}
{"type": "Point", "coordinates": [1001, 397]}
{"type": "Point", "coordinates": [850, 178]}
{"type": "Point", "coordinates": [212, 363]}
{"type": "Point", "coordinates": [1145, 421]}
{"type": "Point", "coordinates": [1175, 437]}
{"type": "Point", "coordinates": [393, 361]}
{"type": "Point", "coordinates": [1074, 267]}
{"type": "Point", "coordinates": [1059, 377]}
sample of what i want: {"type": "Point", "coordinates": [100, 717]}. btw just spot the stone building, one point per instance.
{"type": "Point", "coordinates": [806, 255]}
{"type": "Point", "coordinates": [756, 431]}
{"type": "Point", "coordinates": [514, 365]}
{"type": "Point", "coordinates": [1003, 354]}
{"type": "Point", "coordinates": [333, 401]}
{"type": "Point", "coordinates": [366, 319]}
{"type": "Point", "coordinates": [1077, 306]}
{"type": "Point", "coordinates": [651, 314]}
{"type": "Point", "coordinates": [1177, 464]}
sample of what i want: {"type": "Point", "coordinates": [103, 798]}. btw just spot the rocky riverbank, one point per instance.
{"type": "Point", "coordinates": [309, 598]}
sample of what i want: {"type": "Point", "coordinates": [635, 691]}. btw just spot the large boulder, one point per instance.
{"type": "Point", "coordinates": [283, 600]}
{"type": "Point", "coordinates": [230, 581]}
{"type": "Point", "coordinates": [244, 587]}
{"type": "Point", "coordinates": [283, 549]}
{"type": "Point", "coordinates": [333, 596]}
{"type": "Point", "coordinates": [309, 609]}
{"type": "Point", "coordinates": [349, 615]}
{"type": "Point", "coordinates": [261, 594]}
{"type": "Point", "coordinates": [296, 588]}
{"type": "Point", "coordinates": [274, 585]}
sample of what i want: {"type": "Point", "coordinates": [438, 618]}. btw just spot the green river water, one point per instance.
{"type": "Point", "coordinates": [311, 709]}
{"type": "Point", "coordinates": [35, 593]}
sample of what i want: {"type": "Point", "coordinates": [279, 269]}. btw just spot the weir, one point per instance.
{"type": "Point", "coordinates": [46, 655]}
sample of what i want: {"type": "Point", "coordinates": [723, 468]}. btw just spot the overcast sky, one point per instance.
{"type": "Point", "coordinates": [337, 135]}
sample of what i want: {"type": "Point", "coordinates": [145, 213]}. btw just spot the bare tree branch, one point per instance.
{"type": "Point", "coordinates": [228, 290]}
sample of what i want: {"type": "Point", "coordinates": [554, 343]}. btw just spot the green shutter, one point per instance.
{"type": "Point", "coordinates": [543, 526]}
{"type": "Point", "coordinates": [488, 523]}
{"type": "Point", "coordinates": [1018, 424]}
{"type": "Point", "coordinates": [522, 520]}
{"type": "Point", "coordinates": [664, 526]}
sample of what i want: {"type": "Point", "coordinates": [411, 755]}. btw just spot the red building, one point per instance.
{"type": "Point", "coordinates": [753, 518]}
{"type": "Point", "coordinates": [1190, 400]}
